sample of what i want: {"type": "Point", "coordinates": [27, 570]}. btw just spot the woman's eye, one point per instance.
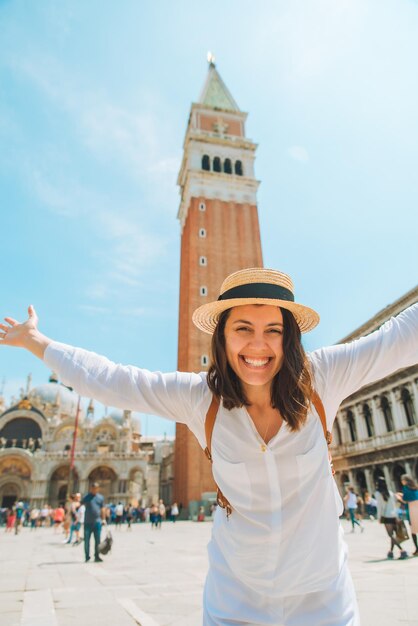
{"type": "Point", "coordinates": [244, 328]}
{"type": "Point", "coordinates": [278, 331]}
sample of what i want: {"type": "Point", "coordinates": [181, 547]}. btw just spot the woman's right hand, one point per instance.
{"type": "Point", "coordinates": [24, 335]}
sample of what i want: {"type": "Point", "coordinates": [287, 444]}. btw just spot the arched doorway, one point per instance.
{"type": "Point", "coordinates": [398, 470]}
{"type": "Point", "coordinates": [58, 484]}
{"type": "Point", "coordinates": [361, 481]}
{"type": "Point", "coordinates": [9, 494]}
{"type": "Point", "coordinates": [378, 473]}
{"type": "Point", "coordinates": [107, 478]}
{"type": "Point", "coordinates": [345, 481]}
{"type": "Point", "coordinates": [15, 475]}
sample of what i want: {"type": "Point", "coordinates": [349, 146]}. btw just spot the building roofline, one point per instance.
{"type": "Point", "coordinates": [409, 298]}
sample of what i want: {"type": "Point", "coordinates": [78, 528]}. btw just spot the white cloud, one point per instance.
{"type": "Point", "coordinates": [136, 139]}
{"type": "Point", "coordinates": [299, 153]}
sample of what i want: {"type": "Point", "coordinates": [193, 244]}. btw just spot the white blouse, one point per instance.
{"type": "Point", "coordinates": [283, 537]}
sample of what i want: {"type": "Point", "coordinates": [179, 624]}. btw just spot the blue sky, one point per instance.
{"type": "Point", "coordinates": [94, 101]}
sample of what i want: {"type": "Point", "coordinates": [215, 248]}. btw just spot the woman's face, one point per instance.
{"type": "Point", "coordinates": [254, 343]}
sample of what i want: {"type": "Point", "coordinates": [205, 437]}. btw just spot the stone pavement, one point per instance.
{"type": "Point", "coordinates": [155, 578]}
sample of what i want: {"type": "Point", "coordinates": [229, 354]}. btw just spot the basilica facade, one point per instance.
{"type": "Point", "coordinates": [37, 439]}
{"type": "Point", "coordinates": [376, 429]}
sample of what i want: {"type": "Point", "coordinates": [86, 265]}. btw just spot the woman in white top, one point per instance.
{"type": "Point", "coordinates": [275, 560]}
{"type": "Point", "coordinates": [387, 513]}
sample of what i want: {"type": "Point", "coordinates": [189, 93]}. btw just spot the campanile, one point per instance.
{"type": "Point", "coordinates": [219, 235]}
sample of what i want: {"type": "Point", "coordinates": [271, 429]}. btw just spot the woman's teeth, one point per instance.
{"type": "Point", "coordinates": [256, 362]}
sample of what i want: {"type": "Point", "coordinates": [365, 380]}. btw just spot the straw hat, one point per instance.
{"type": "Point", "coordinates": [255, 285]}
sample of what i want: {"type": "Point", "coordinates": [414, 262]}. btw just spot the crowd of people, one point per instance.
{"type": "Point", "coordinates": [69, 517]}
{"type": "Point", "coordinates": [390, 508]}
{"type": "Point", "coordinates": [387, 507]}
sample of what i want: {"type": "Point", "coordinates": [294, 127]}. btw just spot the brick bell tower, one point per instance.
{"type": "Point", "coordinates": [219, 235]}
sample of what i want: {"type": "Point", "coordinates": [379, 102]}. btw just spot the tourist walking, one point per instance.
{"type": "Point", "coordinates": [350, 501]}
{"type": "Point", "coordinates": [11, 519]}
{"type": "Point", "coordinates": [59, 515]}
{"type": "Point", "coordinates": [19, 511]}
{"type": "Point", "coordinates": [34, 517]}
{"type": "Point", "coordinates": [75, 521]}
{"type": "Point", "coordinates": [160, 513]}
{"type": "Point", "coordinates": [94, 516]}
{"type": "Point", "coordinates": [119, 515]}
{"type": "Point", "coordinates": [409, 496]}
{"type": "Point", "coordinates": [271, 408]}
{"type": "Point", "coordinates": [174, 513]}
{"type": "Point", "coordinates": [387, 512]}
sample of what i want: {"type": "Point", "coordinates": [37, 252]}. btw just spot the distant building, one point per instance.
{"type": "Point", "coordinates": [220, 235]}
{"type": "Point", "coordinates": [376, 429]}
{"type": "Point", "coordinates": [36, 435]}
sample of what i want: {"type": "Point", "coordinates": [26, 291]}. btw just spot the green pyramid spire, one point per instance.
{"type": "Point", "coordinates": [215, 93]}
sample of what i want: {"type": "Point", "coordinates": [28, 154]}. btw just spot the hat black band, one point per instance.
{"type": "Point", "coordinates": [258, 290]}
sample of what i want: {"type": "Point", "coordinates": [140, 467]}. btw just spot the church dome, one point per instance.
{"type": "Point", "coordinates": [116, 415]}
{"type": "Point", "coordinates": [54, 393]}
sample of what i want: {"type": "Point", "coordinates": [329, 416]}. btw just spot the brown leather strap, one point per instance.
{"type": "Point", "coordinates": [317, 402]}
{"type": "Point", "coordinates": [209, 424]}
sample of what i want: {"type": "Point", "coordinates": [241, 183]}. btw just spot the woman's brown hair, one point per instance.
{"type": "Point", "coordinates": [410, 482]}
{"type": "Point", "coordinates": [291, 389]}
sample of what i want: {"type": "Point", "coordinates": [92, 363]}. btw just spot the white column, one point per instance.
{"type": "Point", "coordinates": [397, 411]}
{"type": "Point", "coordinates": [369, 480]}
{"type": "Point", "coordinates": [359, 419]}
{"type": "Point", "coordinates": [345, 433]}
{"type": "Point", "coordinates": [408, 468]}
{"type": "Point", "coordinates": [388, 478]}
{"type": "Point", "coordinates": [378, 419]}
{"type": "Point", "coordinates": [414, 387]}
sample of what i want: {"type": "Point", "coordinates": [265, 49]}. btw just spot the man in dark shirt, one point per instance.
{"type": "Point", "coordinates": [93, 518]}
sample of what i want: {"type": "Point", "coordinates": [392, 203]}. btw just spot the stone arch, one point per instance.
{"type": "Point", "coordinates": [361, 481]}
{"type": "Point", "coordinates": [397, 472]}
{"type": "Point", "coordinates": [11, 490]}
{"type": "Point", "coordinates": [344, 481]}
{"type": "Point", "coordinates": [387, 412]}
{"type": "Point", "coordinates": [15, 472]}
{"type": "Point", "coordinates": [217, 166]}
{"type": "Point", "coordinates": [228, 166]}
{"type": "Point", "coordinates": [378, 473]}
{"type": "Point", "coordinates": [21, 432]}
{"type": "Point", "coordinates": [107, 477]}
{"type": "Point", "coordinates": [206, 162]}
{"type": "Point", "coordinates": [337, 432]}
{"type": "Point", "coordinates": [408, 406]}
{"type": "Point", "coordinates": [368, 419]}
{"type": "Point", "coordinates": [58, 483]}
{"type": "Point", "coordinates": [351, 423]}
{"type": "Point", "coordinates": [238, 168]}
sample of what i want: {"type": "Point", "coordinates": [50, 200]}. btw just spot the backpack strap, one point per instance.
{"type": "Point", "coordinates": [317, 402]}
{"type": "Point", "coordinates": [210, 423]}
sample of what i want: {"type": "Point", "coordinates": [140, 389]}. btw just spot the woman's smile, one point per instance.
{"type": "Point", "coordinates": [254, 362]}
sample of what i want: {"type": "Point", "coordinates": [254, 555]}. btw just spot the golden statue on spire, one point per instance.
{"type": "Point", "coordinates": [211, 59]}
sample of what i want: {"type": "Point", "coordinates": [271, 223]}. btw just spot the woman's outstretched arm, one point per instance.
{"type": "Point", "coordinates": [180, 396]}
{"type": "Point", "coordinates": [341, 370]}
{"type": "Point", "coordinates": [24, 335]}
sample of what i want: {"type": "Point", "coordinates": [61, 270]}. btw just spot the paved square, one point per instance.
{"type": "Point", "coordinates": [155, 578]}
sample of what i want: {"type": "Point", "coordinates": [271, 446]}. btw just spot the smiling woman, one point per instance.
{"type": "Point", "coordinates": [272, 560]}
